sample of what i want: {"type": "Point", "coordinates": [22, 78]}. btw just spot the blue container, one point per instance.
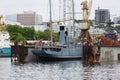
{"type": "Point", "coordinates": [5, 52]}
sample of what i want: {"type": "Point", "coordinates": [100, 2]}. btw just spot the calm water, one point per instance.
{"type": "Point", "coordinates": [60, 70]}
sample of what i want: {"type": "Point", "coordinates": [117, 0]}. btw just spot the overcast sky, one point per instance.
{"type": "Point", "coordinates": [42, 7]}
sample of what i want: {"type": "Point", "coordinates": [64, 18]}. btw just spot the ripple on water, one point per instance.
{"type": "Point", "coordinates": [58, 70]}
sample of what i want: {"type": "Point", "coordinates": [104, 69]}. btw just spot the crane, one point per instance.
{"type": "Point", "coordinates": [85, 25]}
{"type": "Point", "coordinates": [59, 21]}
{"type": "Point", "coordinates": [86, 10]}
{"type": "Point", "coordinates": [1, 24]}
{"type": "Point", "coordinates": [1, 20]}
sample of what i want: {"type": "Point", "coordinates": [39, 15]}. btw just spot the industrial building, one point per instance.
{"type": "Point", "coordinates": [116, 19]}
{"type": "Point", "coordinates": [102, 16]}
{"type": "Point", "coordinates": [29, 18]}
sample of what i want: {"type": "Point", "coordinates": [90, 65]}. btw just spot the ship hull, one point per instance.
{"type": "Point", "coordinates": [58, 52]}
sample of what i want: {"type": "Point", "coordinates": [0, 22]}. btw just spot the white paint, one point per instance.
{"type": "Point", "coordinates": [4, 39]}
{"type": "Point", "coordinates": [109, 53]}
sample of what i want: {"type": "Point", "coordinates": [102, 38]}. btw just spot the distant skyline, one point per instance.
{"type": "Point", "coordinates": [42, 7]}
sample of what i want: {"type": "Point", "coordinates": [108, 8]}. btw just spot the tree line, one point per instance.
{"type": "Point", "coordinates": [19, 33]}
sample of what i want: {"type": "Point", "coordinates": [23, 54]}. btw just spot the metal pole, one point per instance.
{"type": "Point", "coordinates": [73, 10]}
{"type": "Point", "coordinates": [64, 10]}
{"type": "Point", "coordinates": [59, 9]}
{"type": "Point", "coordinates": [50, 22]}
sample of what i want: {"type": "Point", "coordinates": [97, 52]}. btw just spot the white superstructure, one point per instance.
{"type": "Point", "coordinates": [4, 39]}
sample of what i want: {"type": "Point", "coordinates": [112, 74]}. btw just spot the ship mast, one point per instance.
{"type": "Point", "coordinates": [73, 10]}
{"type": "Point", "coordinates": [64, 10]}
{"type": "Point", "coordinates": [51, 38]}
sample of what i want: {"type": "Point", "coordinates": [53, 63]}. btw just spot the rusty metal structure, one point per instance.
{"type": "Point", "coordinates": [85, 21]}
{"type": "Point", "coordinates": [19, 53]}
{"type": "Point", "coordinates": [91, 52]}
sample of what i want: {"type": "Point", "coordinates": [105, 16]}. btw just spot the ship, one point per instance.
{"type": "Point", "coordinates": [5, 49]}
{"type": "Point", "coordinates": [110, 37]}
{"type": "Point", "coordinates": [65, 49]}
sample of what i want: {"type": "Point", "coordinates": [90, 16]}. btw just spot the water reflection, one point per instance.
{"type": "Point", "coordinates": [59, 70]}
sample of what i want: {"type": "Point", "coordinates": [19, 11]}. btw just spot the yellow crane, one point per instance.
{"type": "Point", "coordinates": [86, 10]}
{"type": "Point", "coordinates": [85, 25]}
{"type": "Point", "coordinates": [1, 24]}
{"type": "Point", "coordinates": [1, 20]}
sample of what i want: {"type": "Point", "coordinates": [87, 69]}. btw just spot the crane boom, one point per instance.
{"type": "Point", "coordinates": [89, 6]}
{"type": "Point", "coordinates": [1, 20]}
{"type": "Point", "coordinates": [85, 25]}
{"type": "Point", "coordinates": [86, 9]}
{"type": "Point", "coordinates": [57, 21]}
{"type": "Point", "coordinates": [86, 13]}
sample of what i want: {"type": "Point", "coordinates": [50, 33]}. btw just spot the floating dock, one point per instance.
{"type": "Point", "coordinates": [22, 53]}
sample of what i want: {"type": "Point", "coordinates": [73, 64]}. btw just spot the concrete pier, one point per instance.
{"type": "Point", "coordinates": [110, 53]}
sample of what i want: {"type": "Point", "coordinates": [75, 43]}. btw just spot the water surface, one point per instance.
{"type": "Point", "coordinates": [58, 70]}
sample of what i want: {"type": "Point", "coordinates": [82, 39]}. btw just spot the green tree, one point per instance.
{"type": "Point", "coordinates": [28, 33]}
{"type": "Point", "coordinates": [101, 26]}
{"type": "Point", "coordinates": [45, 35]}
{"type": "Point", "coordinates": [16, 37]}
{"type": "Point", "coordinates": [41, 35]}
{"type": "Point", "coordinates": [91, 22]}
{"type": "Point", "coordinates": [20, 38]}
{"type": "Point", "coordinates": [55, 37]}
{"type": "Point", "coordinates": [54, 34]}
{"type": "Point", "coordinates": [14, 28]}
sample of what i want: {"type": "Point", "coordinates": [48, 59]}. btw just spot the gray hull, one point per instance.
{"type": "Point", "coordinates": [58, 52]}
{"type": "Point", "coordinates": [65, 49]}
